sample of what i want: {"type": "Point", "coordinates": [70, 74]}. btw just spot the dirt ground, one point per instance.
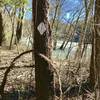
{"type": "Point", "coordinates": [21, 72]}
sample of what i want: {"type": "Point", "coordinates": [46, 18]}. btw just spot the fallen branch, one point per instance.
{"type": "Point", "coordinates": [8, 70]}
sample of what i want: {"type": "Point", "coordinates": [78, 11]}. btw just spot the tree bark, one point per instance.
{"type": "Point", "coordinates": [1, 30]}
{"type": "Point", "coordinates": [97, 44]}
{"type": "Point", "coordinates": [92, 66]}
{"type": "Point", "coordinates": [42, 45]}
{"type": "Point", "coordinates": [19, 25]}
{"type": "Point", "coordinates": [13, 24]}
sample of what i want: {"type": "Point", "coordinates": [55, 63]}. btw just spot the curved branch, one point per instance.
{"type": "Point", "coordinates": [9, 69]}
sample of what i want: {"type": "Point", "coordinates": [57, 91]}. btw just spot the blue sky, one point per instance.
{"type": "Point", "coordinates": [67, 10]}
{"type": "Point", "coordinates": [28, 14]}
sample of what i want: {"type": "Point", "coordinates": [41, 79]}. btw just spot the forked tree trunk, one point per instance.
{"type": "Point", "coordinates": [19, 25]}
{"type": "Point", "coordinates": [1, 30]}
{"type": "Point", "coordinates": [42, 45]}
{"type": "Point", "coordinates": [13, 26]}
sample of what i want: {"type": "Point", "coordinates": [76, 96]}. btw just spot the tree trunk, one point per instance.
{"type": "Point", "coordinates": [42, 45]}
{"type": "Point", "coordinates": [13, 26]}
{"type": "Point", "coordinates": [92, 66]}
{"type": "Point", "coordinates": [19, 25]}
{"type": "Point", "coordinates": [97, 44]}
{"type": "Point", "coordinates": [1, 30]}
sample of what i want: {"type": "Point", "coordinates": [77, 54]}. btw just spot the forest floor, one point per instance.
{"type": "Point", "coordinates": [21, 71]}
{"type": "Point", "coordinates": [23, 74]}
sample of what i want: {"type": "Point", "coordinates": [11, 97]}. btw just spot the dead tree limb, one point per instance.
{"type": "Point", "coordinates": [9, 69]}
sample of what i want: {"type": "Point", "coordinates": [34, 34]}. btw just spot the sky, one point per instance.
{"type": "Point", "coordinates": [28, 14]}
{"type": "Point", "coordinates": [69, 6]}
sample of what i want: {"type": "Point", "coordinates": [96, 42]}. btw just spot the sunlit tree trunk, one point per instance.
{"type": "Point", "coordinates": [42, 45]}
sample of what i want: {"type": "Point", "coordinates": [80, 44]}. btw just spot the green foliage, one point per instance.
{"type": "Point", "coordinates": [29, 9]}
{"type": "Point", "coordinates": [14, 3]}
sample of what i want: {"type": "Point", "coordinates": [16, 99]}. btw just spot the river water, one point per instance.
{"type": "Point", "coordinates": [70, 49]}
